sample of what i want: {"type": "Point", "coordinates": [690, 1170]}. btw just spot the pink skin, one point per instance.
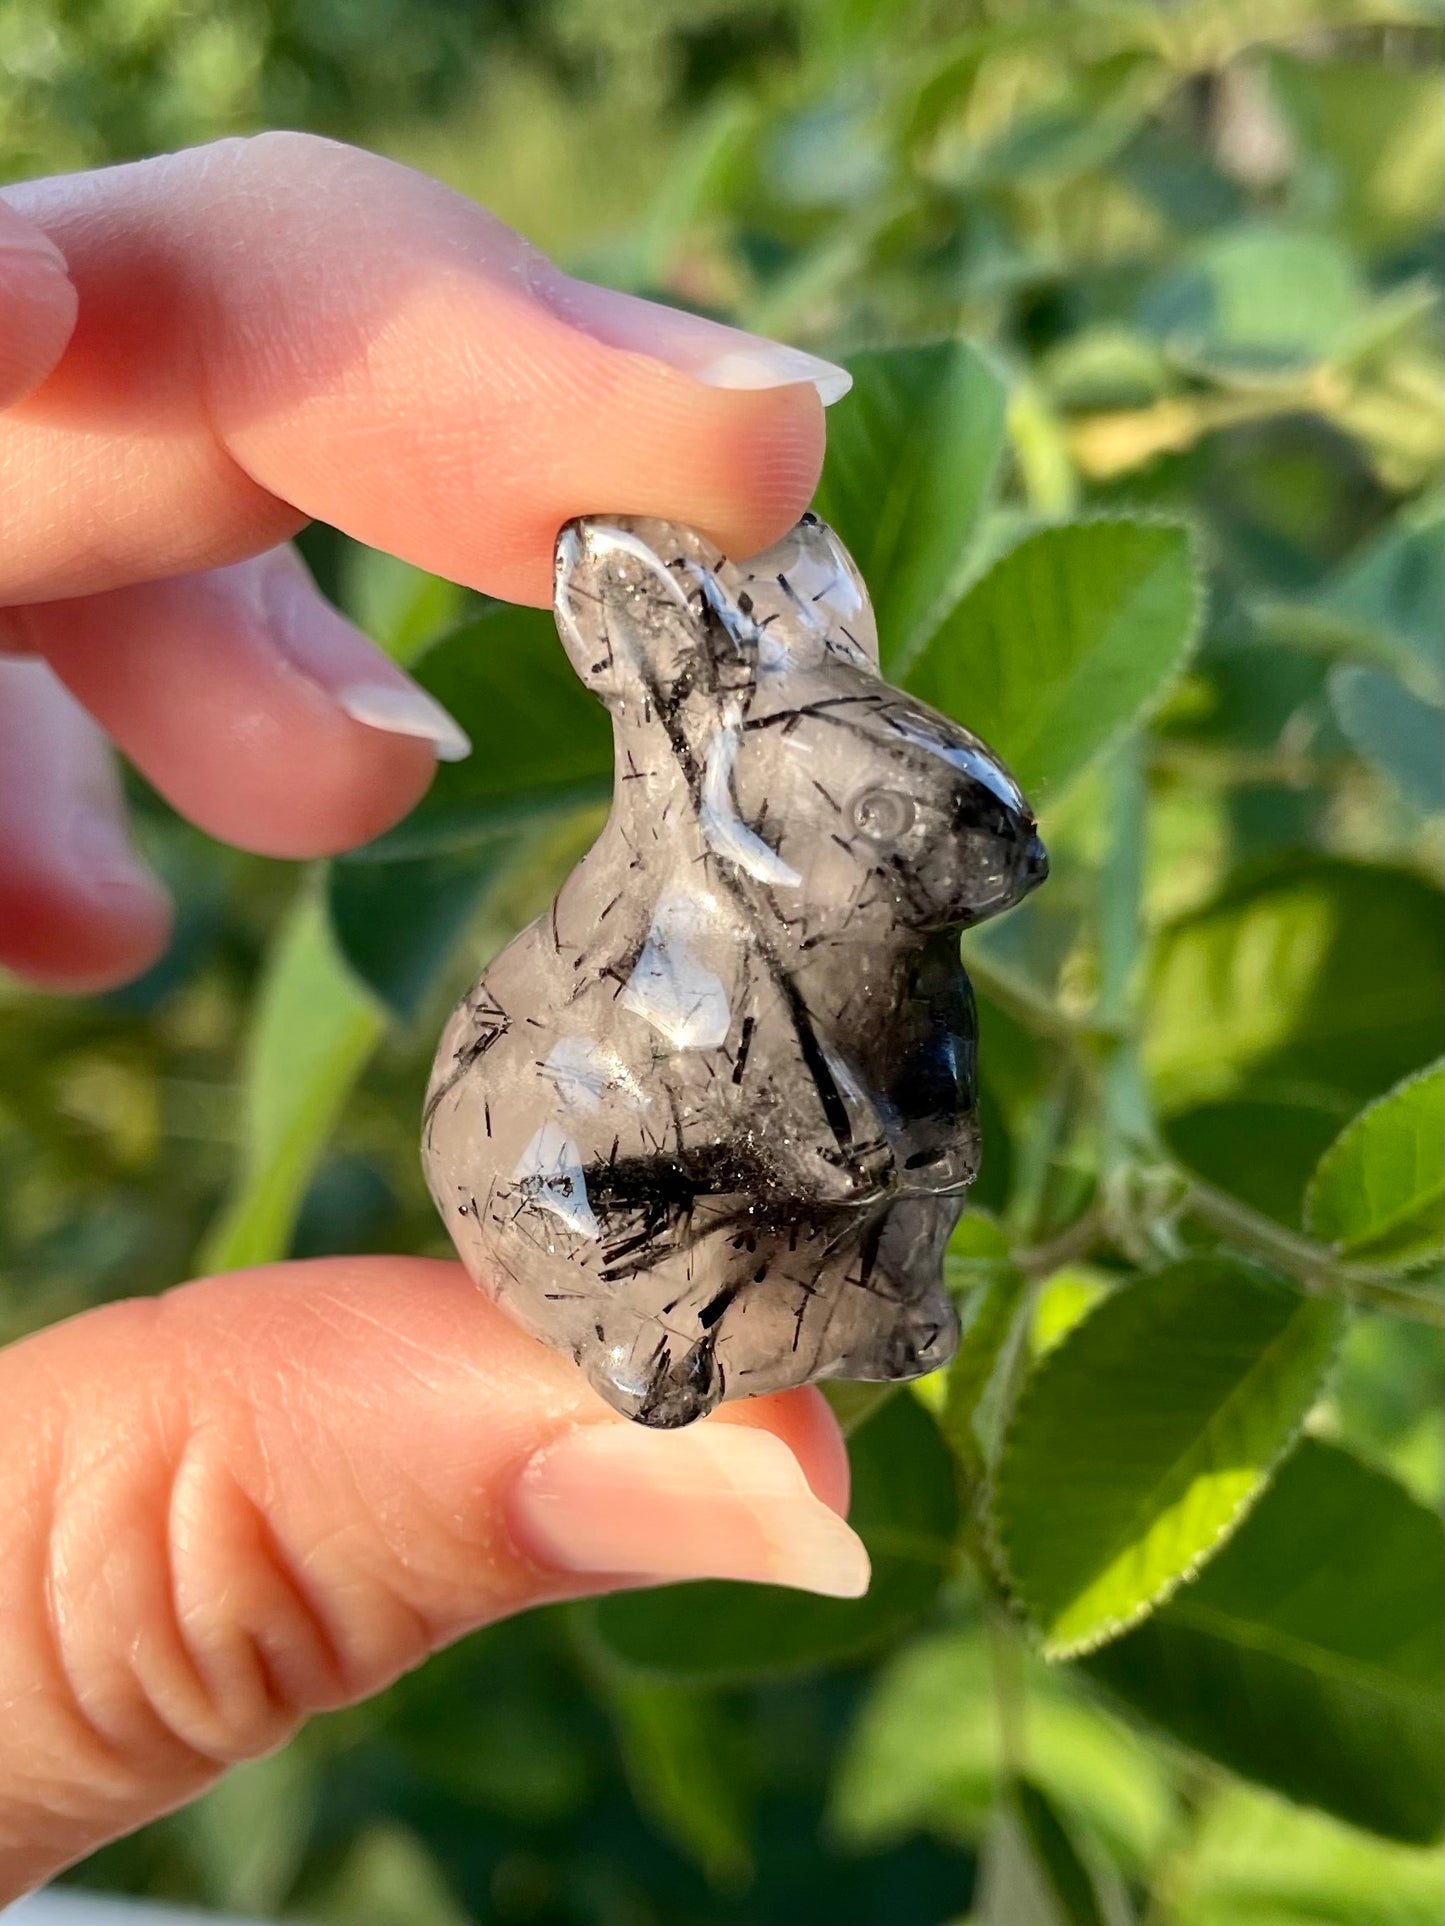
{"type": "Point", "coordinates": [271, 1492]}
{"type": "Point", "coordinates": [37, 306]}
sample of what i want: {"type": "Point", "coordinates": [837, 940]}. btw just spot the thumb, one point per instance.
{"type": "Point", "coordinates": [269, 1493]}
{"type": "Point", "coordinates": [37, 306]}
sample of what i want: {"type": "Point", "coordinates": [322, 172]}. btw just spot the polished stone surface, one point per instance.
{"type": "Point", "coordinates": [708, 1123]}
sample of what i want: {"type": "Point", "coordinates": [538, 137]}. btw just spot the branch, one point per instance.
{"type": "Point", "coordinates": [1028, 1006]}
{"type": "Point", "coordinates": [1316, 1266]}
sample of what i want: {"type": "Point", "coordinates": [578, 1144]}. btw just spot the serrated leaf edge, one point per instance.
{"type": "Point", "coordinates": [1145, 518]}
{"type": "Point", "coordinates": [1336, 1149]}
{"type": "Point", "coordinates": [1057, 1651]}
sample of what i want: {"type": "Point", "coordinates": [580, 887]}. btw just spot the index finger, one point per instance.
{"type": "Point", "coordinates": [280, 328]}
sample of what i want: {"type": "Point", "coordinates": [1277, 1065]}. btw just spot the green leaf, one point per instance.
{"type": "Point", "coordinates": [1033, 1874]}
{"type": "Point", "coordinates": [1395, 586]}
{"type": "Point", "coordinates": [1371, 134]}
{"type": "Point", "coordinates": [1385, 605]}
{"type": "Point", "coordinates": [854, 1400]}
{"type": "Point", "coordinates": [1312, 980]}
{"type": "Point", "coordinates": [1256, 1859]}
{"type": "Point", "coordinates": [906, 1511]}
{"type": "Point", "coordinates": [312, 1029]}
{"type": "Point", "coordinates": [1307, 1656]}
{"type": "Point", "coordinates": [988, 1318]}
{"type": "Point", "coordinates": [1065, 1298]}
{"type": "Point", "coordinates": [1140, 1441]}
{"type": "Point", "coordinates": [1064, 643]}
{"type": "Point", "coordinates": [396, 923]}
{"type": "Point", "coordinates": [675, 1748]}
{"type": "Point", "coordinates": [1105, 366]}
{"type": "Point", "coordinates": [251, 1831]}
{"type": "Point", "coordinates": [387, 1878]}
{"type": "Point", "coordinates": [1394, 730]}
{"type": "Point", "coordinates": [1379, 1191]}
{"type": "Point", "coordinates": [913, 453]}
{"type": "Point", "coordinates": [400, 607]}
{"type": "Point", "coordinates": [1257, 302]}
{"type": "Point", "coordinates": [925, 1754]}
{"type": "Point", "coordinates": [540, 742]}
{"type": "Point", "coordinates": [1262, 1150]}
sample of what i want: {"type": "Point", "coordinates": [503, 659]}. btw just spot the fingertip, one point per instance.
{"type": "Point", "coordinates": [66, 933]}
{"type": "Point", "coordinates": [38, 306]}
{"type": "Point", "coordinates": [804, 1421]}
{"type": "Point", "coordinates": [740, 465]}
{"type": "Point", "coordinates": [770, 455]}
{"type": "Point", "coordinates": [359, 781]}
{"type": "Point", "coordinates": [253, 707]}
{"type": "Point", "coordinates": [79, 911]}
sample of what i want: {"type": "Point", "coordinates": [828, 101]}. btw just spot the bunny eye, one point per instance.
{"type": "Point", "coordinates": [882, 815]}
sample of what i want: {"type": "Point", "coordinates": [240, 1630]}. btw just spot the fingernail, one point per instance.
{"type": "Point", "coordinates": [403, 708]}
{"type": "Point", "coordinates": [709, 351]}
{"type": "Point", "coordinates": [360, 679]}
{"type": "Point", "coordinates": [717, 1500]}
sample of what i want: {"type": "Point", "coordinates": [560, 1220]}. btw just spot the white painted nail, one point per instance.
{"type": "Point", "coordinates": [715, 1500]}
{"type": "Point", "coordinates": [709, 351]}
{"type": "Point", "coordinates": [405, 709]}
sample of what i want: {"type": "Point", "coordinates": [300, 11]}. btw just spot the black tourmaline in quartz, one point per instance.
{"type": "Point", "coordinates": [708, 1123]}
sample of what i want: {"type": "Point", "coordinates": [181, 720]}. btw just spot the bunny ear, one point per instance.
{"type": "Point", "coordinates": [810, 585]}
{"type": "Point", "coordinates": [634, 608]}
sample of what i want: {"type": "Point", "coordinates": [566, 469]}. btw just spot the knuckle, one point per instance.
{"type": "Point", "coordinates": [251, 1654]}
{"type": "Point", "coordinates": [179, 1637]}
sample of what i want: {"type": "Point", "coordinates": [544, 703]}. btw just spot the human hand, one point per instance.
{"type": "Point", "coordinates": [269, 1493]}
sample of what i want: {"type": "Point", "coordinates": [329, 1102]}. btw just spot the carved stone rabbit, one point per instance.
{"type": "Point", "coordinates": [709, 1122]}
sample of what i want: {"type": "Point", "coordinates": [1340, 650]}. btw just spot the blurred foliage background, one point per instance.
{"type": "Point", "coordinates": [1142, 462]}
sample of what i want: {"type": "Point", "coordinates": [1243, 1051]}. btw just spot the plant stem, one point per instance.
{"type": "Point", "coordinates": [1127, 1119]}
{"type": "Point", "coordinates": [1121, 888]}
{"type": "Point", "coordinates": [1026, 1005]}
{"type": "Point", "coordinates": [1008, 1695]}
{"type": "Point", "coordinates": [1076, 1240]}
{"type": "Point", "coordinates": [1316, 1266]}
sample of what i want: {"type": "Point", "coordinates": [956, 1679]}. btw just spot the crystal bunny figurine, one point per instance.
{"type": "Point", "coordinates": [708, 1123]}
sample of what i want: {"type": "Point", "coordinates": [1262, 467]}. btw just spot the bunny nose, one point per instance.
{"type": "Point", "coordinates": [1035, 865]}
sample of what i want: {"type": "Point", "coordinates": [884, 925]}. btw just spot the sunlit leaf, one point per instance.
{"type": "Point", "coordinates": [1141, 1440]}
{"type": "Point", "coordinates": [1064, 643]}
{"type": "Point", "coordinates": [251, 1831]}
{"type": "Point", "coordinates": [1064, 1300]}
{"type": "Point", "coordinates": [1311, 979]}
{"type": "Point", "coordinates": [399, 606]}
{"type": "Point", "coordinates": [1307, 1656]}
{"type": "Point", "coordinates": [1374, 140]}
{"type": "Point", "coordinates": [1379, 1191]}
{"type": "Point", "coordinates": [1259, 1858]}
{"type": "Point", "coordinates": [313, 1027]}
{"type": "Point", "coordinates": [925, 1754]}
{"type": "Point", "coordinates": [387, 1878]}
{"type": "Point", "coordinates": [913, 452]}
